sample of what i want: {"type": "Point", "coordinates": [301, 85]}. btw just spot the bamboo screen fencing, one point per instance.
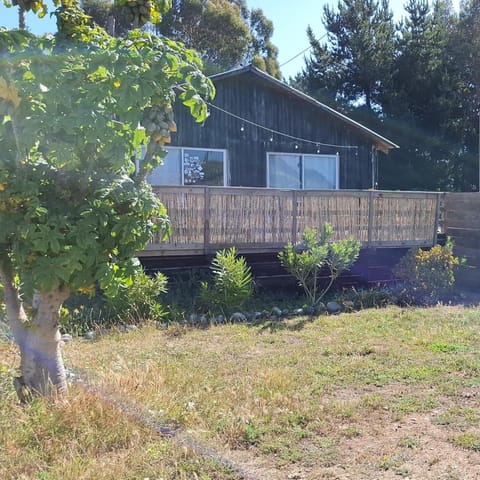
{"type": "Point", "coordinates": [205, 219]}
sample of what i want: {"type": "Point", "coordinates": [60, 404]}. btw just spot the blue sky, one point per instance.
{"type": "Point", "coordinates": [290, 20]}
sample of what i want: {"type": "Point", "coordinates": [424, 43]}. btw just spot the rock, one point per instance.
{"type": "Point", "coordinates": [276, 312]}
{"type": "Point", "coordinates": [238, 317]}
{"type": "Point", "coordinates": [131, 328]}
{"type": "Point", "coordinates": [203, 319]}
{"type": "Point", "coordinates": [320, 308]}
{"type": "Point", "coordinates": [333, 307]}
{"type": "Point", "coordinates": [219, 319]}
{"type": "Point", "coordinates": [192, 318]}
{"type": "Point", "coordinates": [348, 305]}
{"type": "Point", "coordinates": [66, 338]}
{"type": "Point", "coordinates": [89, 335]}
{"type": "Point", "coordinates": [298, 311]}
{"type": "Point", "coordinates": [257, 315]}
{"type": "Point", "coordinates": [250, 316]}
{"type": "Point", "coordinates": [309, 310]}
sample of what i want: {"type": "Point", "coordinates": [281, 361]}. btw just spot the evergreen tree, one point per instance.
{"type": "Point", "coordinates": [355, 64]}
{"type": "Point", "coordinates": [421, 102]}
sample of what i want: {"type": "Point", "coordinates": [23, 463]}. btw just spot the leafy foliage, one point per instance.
{"type": "Point", "coordinates": [315, 253]}
{"type": "Point", "coordinates": [71, 113]}
{"type": "Point", "coordinates": [134, 303]}
{"type": "Point", "coordinates": [429, 274]}
{"type": "Point", "coordinates": [232, 283]}
{"type": "Point", "coordinates": [226, 33]}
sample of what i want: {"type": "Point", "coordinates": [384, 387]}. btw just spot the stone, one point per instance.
{"type": "Point", "coordinates": [131, 328]}
{"type": "Point", "coordinates": [89, 335]}
{"type": "Point", "coordinates": [309, 310]}
{"type": "Point", "coordinates": [348, 305]}
{"type": "Point", "coordinates": [320, 308]}
{"type": "Point", "coordinates": [203, 319]}
{"type": "Point", "coordinates": [219, 319]}
{"type": "Point", "coordinates": [238, 317]}
{"type": "Point", "coordinates": [257, 315]}
{"type": "Point", "coordinates": [276, 312]}
{"type": "Point", "coordinates": [298, 311]}
{"type": "Point", "coordinates": [66, 338]}
{"type": "Point", "coordinates": [333, 307]}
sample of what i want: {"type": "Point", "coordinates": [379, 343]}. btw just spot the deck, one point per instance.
{"type": "Point", "coordinates": [260, 220]}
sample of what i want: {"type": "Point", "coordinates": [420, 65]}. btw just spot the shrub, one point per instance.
{"type": "Point", "coordinates": [428, 274]}
{"type": "Point", "coordinates": [306, 260]}
{"type": "Point", "coordinates": [139, 301]}
{"type": "Point", "coordinates": [232, 283]}
{"type": "Point", "coordinates": [376, 297]}
{"type": "Point", "coordinates": [134, 303]}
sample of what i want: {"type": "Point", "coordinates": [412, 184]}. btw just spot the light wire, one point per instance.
{"type": "Point", "coordinates": [277, 132]}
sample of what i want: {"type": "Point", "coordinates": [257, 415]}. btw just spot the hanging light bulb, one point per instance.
{"type": "Point", "coordinates": [296, 147]}
{"type": "Point", "coordinates": [318, 148]}
{"type": "Point", "coordinates": [242, 128]}
{"type": "Point", "coordinates": [271, 138]}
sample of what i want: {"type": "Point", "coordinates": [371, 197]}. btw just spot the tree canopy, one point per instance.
{"type": "Point", "coordinates": [416, 81]}
{"type": "Point", "coordinates": [226, 33]}
{"type": "Point", "coordinates": [74, 110]}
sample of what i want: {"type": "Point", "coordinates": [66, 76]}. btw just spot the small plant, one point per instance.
{"type": "Point", "coordinates": [428, 274]}
{"type": "Point", "coordinates": [306, 260]}
{"type": "Point", "coordinates": [138, 301]}
{"type": "Point", "coordinates": [376, 297]}
{"type": "Point", "coordinates": [134, 303]}
{"type": "Point", "coordinates": [232, 283]}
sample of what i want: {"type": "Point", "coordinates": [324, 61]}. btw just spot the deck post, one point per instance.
{"type": "Point", "coordinates": [437, 218]}
{"type": "Point", "coordinates": [371, 216]}
{"type": "Point", "coordinates": [294, 216]}
{"type": "Point", "coordinates": [206, 220]}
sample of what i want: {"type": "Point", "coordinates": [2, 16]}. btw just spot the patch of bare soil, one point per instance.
{"type": "Point", "coordinates": [415, 447]}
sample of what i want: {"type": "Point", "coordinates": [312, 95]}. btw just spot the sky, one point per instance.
{"type": "Point", "coordinates": [290, 20]}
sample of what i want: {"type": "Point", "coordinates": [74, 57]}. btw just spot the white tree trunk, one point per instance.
{"type": "Point", "coordinates": [42, 369]}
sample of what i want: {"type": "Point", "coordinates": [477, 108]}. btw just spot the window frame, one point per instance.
{"type": "Point", "coordinates": [182, 166]}
{"type": "Point", "coordinates": [302, 173]}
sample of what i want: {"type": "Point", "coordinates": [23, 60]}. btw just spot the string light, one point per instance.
{"type": "Point", "coordinates": [277, 132]}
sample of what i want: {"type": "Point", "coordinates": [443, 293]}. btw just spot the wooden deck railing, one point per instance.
{"type": "Point", "coordinates": [205, 219]}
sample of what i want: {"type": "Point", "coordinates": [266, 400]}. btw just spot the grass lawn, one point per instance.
{"type": "Point", "coordinates": [377, 394]}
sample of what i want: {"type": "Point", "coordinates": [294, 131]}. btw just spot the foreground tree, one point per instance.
{"type": "Point", "coordinates": [72, 212]}
{"type": "Point", "coordinates": [226, 33]}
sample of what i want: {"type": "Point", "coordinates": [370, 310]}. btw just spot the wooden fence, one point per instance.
{"type": "Point", "coordinates": [205, 219]}
{"type": "Point", "coordinates": [462, 223]}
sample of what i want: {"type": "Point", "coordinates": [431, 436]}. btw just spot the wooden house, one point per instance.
{"type": "Point", "coordinates": [263, 133]}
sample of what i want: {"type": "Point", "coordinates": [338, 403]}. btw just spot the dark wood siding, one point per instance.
{"type": "Point", "coordinates": [253, 98]}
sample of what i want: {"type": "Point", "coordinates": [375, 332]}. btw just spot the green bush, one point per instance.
{"type": "Point", "coordinates": [428, 275]}
{"type": "Point", "coordinates": [232, 283]}
{"type": "Point", "coordinates": [133, 304]}
{"type": "Point", "coordinates": [375, 297]}
{"type": "Point", "coordinates": [139, 301]}
{"type": "Point", "coordinates": [315, 253]}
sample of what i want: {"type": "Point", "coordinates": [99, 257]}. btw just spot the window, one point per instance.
{"type": "Point", "coordinates": [302, 171]}
{"type": "Point", "coordinates": [191, 166]}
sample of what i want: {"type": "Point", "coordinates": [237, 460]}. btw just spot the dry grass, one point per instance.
{"type": "Point", "coordinates": [86, 438]}
{"type": "Point", "coordinates": [377, 394]}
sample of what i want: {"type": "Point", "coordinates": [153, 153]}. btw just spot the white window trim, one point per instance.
{"type": "Point", "coordinates": [183, 149]}
{"type": "Point", "coordinates": [301, 155]}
